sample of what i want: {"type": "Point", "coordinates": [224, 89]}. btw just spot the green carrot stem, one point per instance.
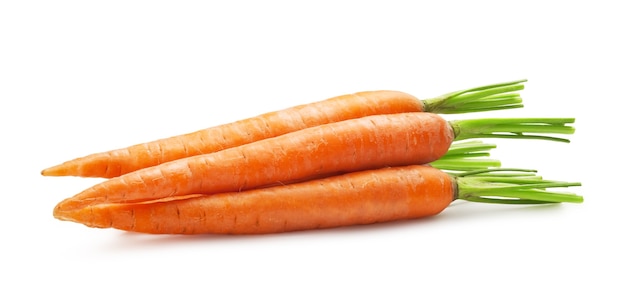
{"type": "Point", "coordinates": [468, 154]}
{"type": "Point", "coordinates": [484, 98]}
{"type": "Point", "coordinates": [493, 172]}
{"type": "Point", "coordinates": [467, 147]}
{"type": "Point", "coordinates": [465, 156]}
{"type": "Point", "coordinates": [521, 128]}
{"type": "Point", "coordinates": [481, 186]}
{"type": "Point", "coordinates": [509, 175]}
{"type": "Point", "coordinates": [465, 164]}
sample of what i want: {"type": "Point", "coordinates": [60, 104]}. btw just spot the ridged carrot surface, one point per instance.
{"type": "Point", "coordinates": [364, 197]}
{"type": "Point", "coordinates": [124, 160]}
{"type": "Point", "coordinates": [117, 162]}
{"type": "Point", "coordinates": [356, 198]}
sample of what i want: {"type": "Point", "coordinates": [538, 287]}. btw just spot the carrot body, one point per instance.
{"type": "Point", "coordinates": [346, 146]}
{"type": "Point", "coordinates": [363, 197]}
{"type": "Point", "coordinates": [117, 162]}
{"type": "Point", "coordinates": [355, 198]}
{"type": "Point", "coordinates": [121, 161]}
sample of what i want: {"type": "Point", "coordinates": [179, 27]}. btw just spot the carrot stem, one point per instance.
{"type": "Point", "coordinates": [484, 98]}
{"type": "Point", "coordinates": [488, 187]}
{"type": "Point", "coordinates": [521, 128]}
{"type": "Point", "coordinates": [468, 147]}
{"type": "Point", "coordinates": [464, 164]}
{"type": "Point", "coordinates": [466, 156]}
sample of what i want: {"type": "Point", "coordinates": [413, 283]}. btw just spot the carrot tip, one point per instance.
{"type": "Point", "coordinates": [64, 214]}
{"type": "Point", "coordinates": [53, 171]}
{"type": "Point", "coordinates": [61, 214]}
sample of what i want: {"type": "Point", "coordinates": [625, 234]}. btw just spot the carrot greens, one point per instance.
{"type": "Point", "coordinates": [484, 98]}
{"type": "Point", "coordinates": [512, 187]}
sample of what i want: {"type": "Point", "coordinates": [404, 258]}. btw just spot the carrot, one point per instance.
{"type": "Point", "coordinates": [364, 197]}
{"type": "Point", "coordinates": [346, 146]}
{"type": "Point", "coordinates": [121, 161]}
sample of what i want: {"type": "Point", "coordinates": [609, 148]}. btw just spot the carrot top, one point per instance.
{"type": "Point", "coordinates": [511, 186]}
{"type": "Point", "coordinates": [521, 128]}
{"type": "Point", "coordinates": [478, 99]}
{"type": "Point", "coordinates": [466, 156]}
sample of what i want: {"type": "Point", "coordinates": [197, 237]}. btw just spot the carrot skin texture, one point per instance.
{"type": "Point", "coordinates": [347, 146]}
{"type": "Point", "coordinates": [355, 198]}
{"type": "Point", "coordinates": [121, 161]}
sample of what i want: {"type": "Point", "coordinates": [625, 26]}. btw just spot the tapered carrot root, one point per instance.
{"type": "Point", "coordinates": [121, 161]}
{"type": "Point", "coordinates": [360, 198]}
{"type": "Point", "coordinates": [351, 145]}
{"type": "Point", "coordinates": [355, 198]}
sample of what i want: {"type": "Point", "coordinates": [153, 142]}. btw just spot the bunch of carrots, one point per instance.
{"type": "Point", "coordinates": [355, 159]}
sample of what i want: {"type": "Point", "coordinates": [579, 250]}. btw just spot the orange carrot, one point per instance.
{"type": "Point", "coordinates": [364, 197]}
{"type": "Point", "coordinates": [121, 161]}
{"type": "Point", "coordinates": [346, 146]}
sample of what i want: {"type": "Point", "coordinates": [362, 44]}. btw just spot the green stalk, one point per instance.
{"type": "Point", "coordinates": [464, 164]}
{"type": "Point", "coordinates": [478, 99]}
{"type": "Point", "coordinates": [521, 128]}
{"type": "Point", "coordinates": [486, 186]}
{"type": "Point", "coordinates": [468, 147]}
{"type": "Point", "coordinates": [465, 156]}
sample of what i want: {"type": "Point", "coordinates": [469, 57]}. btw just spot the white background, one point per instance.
{"type": "Point", "coordinates": [78, 77]}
